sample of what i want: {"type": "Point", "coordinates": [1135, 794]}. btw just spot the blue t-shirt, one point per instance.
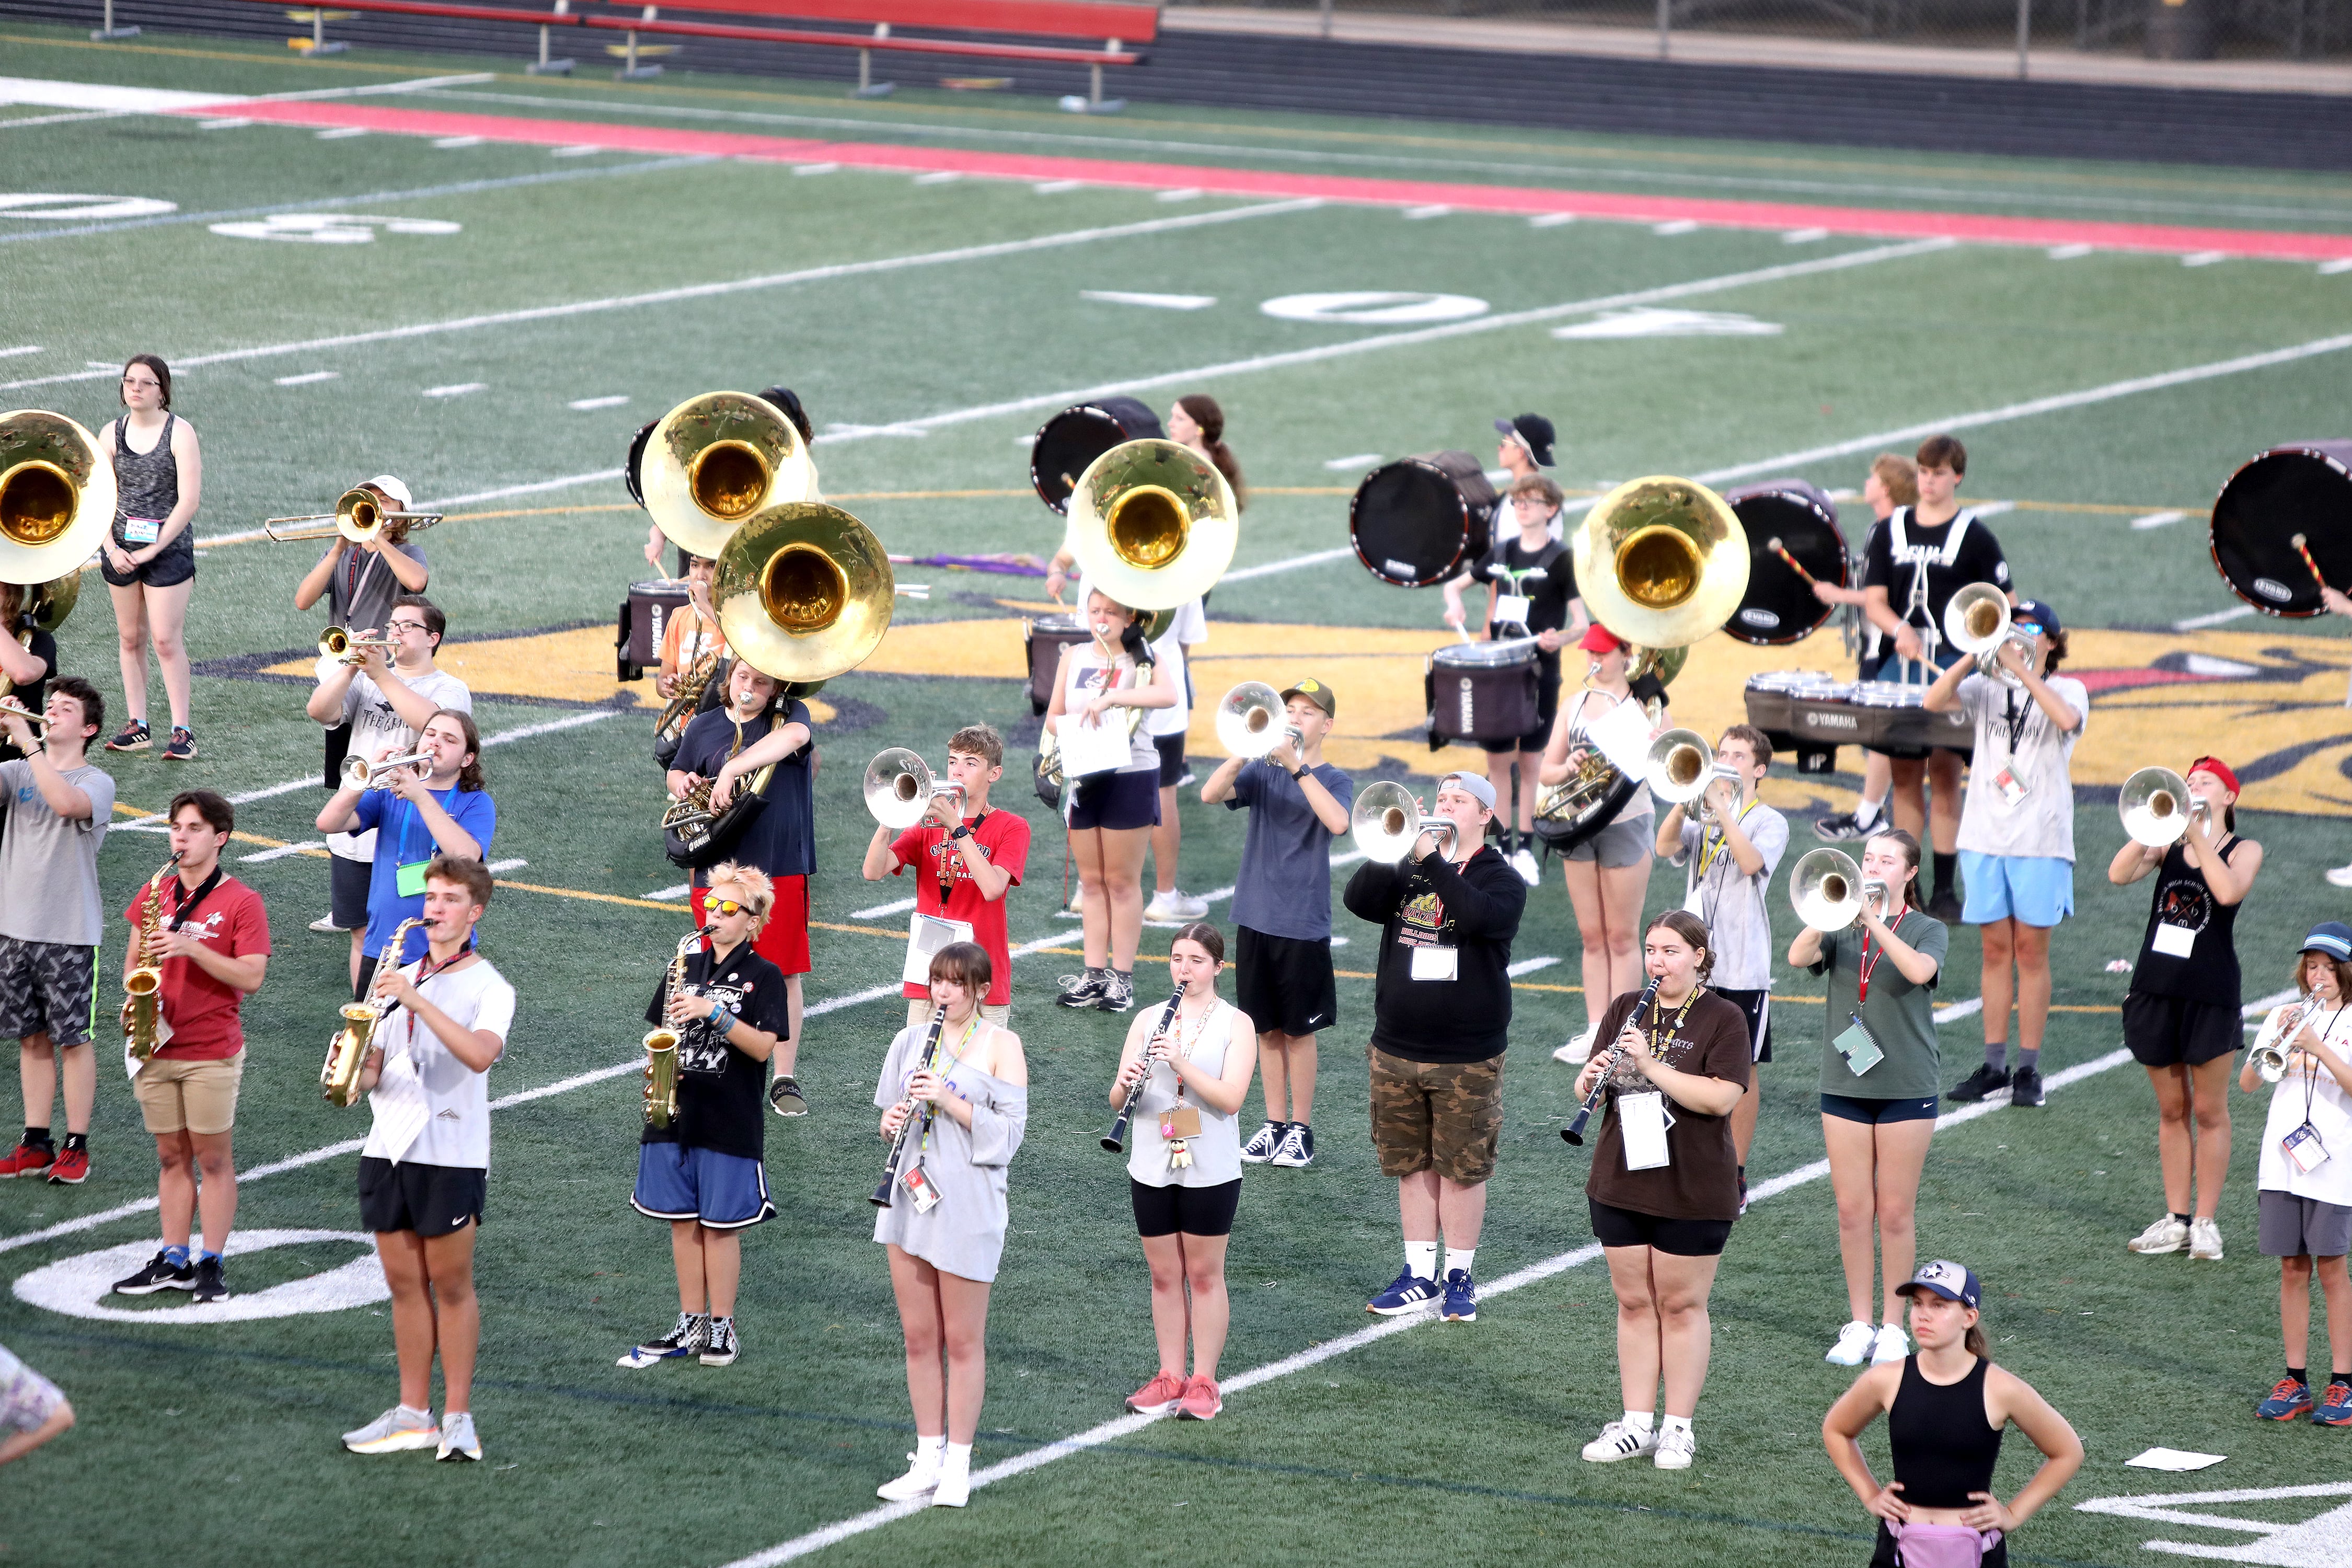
{"type": "Point", "coordinates": [405, 839]}
{"type": "Point", "coordinates": [782, 838]}
{"type": "Point", "coordinates": [1284, 886]}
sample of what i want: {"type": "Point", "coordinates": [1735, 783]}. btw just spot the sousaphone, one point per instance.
{"type": "Point", "coordinates": [1661, 562]}
{"type": "Point", "coordinates": [804, 592]}
{"type": "Point", "coordinates": [56, 496]}
{"type": "Point", "coordinates": [1153, 524]}
{"type": "Point", "coordinates": [714, 461]}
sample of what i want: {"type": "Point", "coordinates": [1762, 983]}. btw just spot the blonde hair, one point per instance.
{"type": "Point", "coordinates": [757, 890]}
{"type": "Point", "coordinates": [1900, 477]}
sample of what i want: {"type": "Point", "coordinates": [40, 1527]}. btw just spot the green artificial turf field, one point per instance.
{"type": "Point", "coordinates": [513, 316]}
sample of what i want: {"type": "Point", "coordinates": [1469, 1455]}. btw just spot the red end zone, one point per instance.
{"type": "Point", "coordinates": [1874, 223]}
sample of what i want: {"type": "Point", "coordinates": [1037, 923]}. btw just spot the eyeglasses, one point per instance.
{"type": "Point", "coordinates": [143, 381]}
{"type": "Point", "coordinates": [405, 627]}
{"type": "Point", "coordinates": [727, 907]}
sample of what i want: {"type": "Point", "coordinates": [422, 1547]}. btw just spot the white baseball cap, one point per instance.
{"type": "Point", "coordinates": [393, 487]}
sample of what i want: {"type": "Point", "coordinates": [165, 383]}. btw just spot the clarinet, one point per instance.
{"type": "Point", "coordinates": [1116, 1138]}
{"type": "Point", "coordinates": [881, 1198]}
{"type": "Point", "coordinates": [1574, 1131]}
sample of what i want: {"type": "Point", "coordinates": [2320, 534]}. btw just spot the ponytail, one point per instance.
{"type": "Point", "coordinates": [1975, 1343]}
{"type": "Point", "coordinates": [1910, 848]}
{"type": "Point", "coordinates": [1202, 410]}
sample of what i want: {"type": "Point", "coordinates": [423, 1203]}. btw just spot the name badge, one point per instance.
{"type": "Point", "coordinates": [1511, 609]}
{"type": "Point", "coordinates": [1642, 1122]}
{"type": "Point", "coordinates": [1436, 963]}
{"type": "Point", "coordinates": [410, 882]}
{"type": "Point", "coordinates": [142, 530]}
{"type": "Point", "coordinates": [2011, 789]}
{"type": "Point", "coordinates": [919, 1187]}
{"type": "Point", "coordinates": [2174, 941]}
{"type": "Point", "coordinates": [1183, 1122]}
{"type": "Point", "coordinates": [2304, 1150]}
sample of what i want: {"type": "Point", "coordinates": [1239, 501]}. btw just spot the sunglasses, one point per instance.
{"type": "Point", "coordinates": [727, 907]}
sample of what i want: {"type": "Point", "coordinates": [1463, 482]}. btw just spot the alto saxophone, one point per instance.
{"type": "Point", "coordinates": [661, 1041]}
{"type": "Point", "coordinates": [347, 1047]}
{"type": "Point", "coordinates": [143, 988]}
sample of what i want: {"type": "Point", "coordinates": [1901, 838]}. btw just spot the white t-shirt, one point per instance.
{"type": "Point", "coordinates": [2020, 798]}
{"type": "Point", "coordinates": [2330, 1111]}
{"type": "Point", "coordinates": [1189, 628]}
{"type": "Point", "coordinates": [1738, 914]}
{"type": "Point", "coordinates": [376, 722]}
{"type": "Point", "coordinates": [422, 1073]}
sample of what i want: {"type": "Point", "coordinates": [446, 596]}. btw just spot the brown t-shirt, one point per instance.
{"type": "Point", "coordinates": [1701, 1177]}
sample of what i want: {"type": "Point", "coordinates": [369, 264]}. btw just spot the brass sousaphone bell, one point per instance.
{"type": "Point", "coordinates": [717, 460]}
{"type": "Point", "coordinates": [1153, 524]}
{"type": "Point", "coordinates": [804, 592]}
{"type": "Point", "coordinates": [57, 495]}
{"type": "Point", "coordinates": [1661, 562]}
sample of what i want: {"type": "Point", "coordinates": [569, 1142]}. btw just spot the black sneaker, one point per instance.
{"type": "Point", "coordinates": [1297, 1149]}
{"type": "Point", "coordinates": [136, 737]}
{"type": "Point", "coordinates": [1118, 994]}
{"type": "Point", "coordinates": [1264, 1142]}
{"type": "Point", "coordinates": [2026, 1087]}
{"type": "Point", "coordinates": [1082, 990]}
{"type": "Point", "coordinates": [181, 748]}
{"type": "Point", "coordinates": [1945, 906]}
{"type": "Point", "coordinates": [1982, 1084]}
{"type": "Point", "coordinates": [1840, 827]}
{"type": "Point", "coordinates": [210, 1286]}
{"type": "Point", "coordinates": [687, 1337]}
{"type": "Point", "coordinates": [784, 1096]}
{"type": "Point", "coordinates": [721, 1348]}
{"type": "Point", "coordinates": [159, 1275]}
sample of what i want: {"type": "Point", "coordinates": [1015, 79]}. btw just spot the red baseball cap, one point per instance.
{"type": "Point", "coordinates": [1598, 639]}
{"type": "Point", "coordinates": [2218, 769]}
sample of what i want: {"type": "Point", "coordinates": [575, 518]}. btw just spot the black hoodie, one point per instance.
{"type": "Point", "coordinates": [1474, 908]}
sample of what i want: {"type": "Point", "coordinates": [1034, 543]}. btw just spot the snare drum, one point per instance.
{"type": "Point", "coordinates": [1483, 691]}
{"type": "Point", "coordinates": [1046, 637]}
{"type": "Point", "coordinates": [644, 615]}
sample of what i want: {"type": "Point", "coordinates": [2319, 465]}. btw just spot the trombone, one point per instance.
{"type": "Point", "coordinates": [2156, 807]}
{"type": "Point", "coordinates": [362, 774]}
{"type": "Point", "coordinates": [360, 514]}
{"type": "Point", "coordinates": [1387, 821]}
{"type": "Point", "coordinates": [1251, 721]}
{"type": "Point", "coordinates": [899, 788]}
{"type": "Point", "coordinates": [1829, 892]}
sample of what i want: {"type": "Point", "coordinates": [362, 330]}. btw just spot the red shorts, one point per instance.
{"type": "Point", "coordinates": [783, 941]}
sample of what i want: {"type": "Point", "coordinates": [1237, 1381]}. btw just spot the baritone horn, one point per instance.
{"type": "Point", "coordinates": [361, 514]}
{"type": "Point", "coordinates": [715, 461]}
{"type": "Point", "coordinates": [1387, 820]}
{"type": "Point", "coordinates": [899, 788]}
{"type": "Point", "coordinates": [57, 495]}
{"type": "Point", "coordinates": [2154, 805]}
{"type": "Point", "coordinates": [804, 592]}
{"type": "Point", "coordinates": [1153, 524]}
{"type": "Point", "coordinates": [1252, 721]}
{"type": "Point", "coordinates": [1829, 892]}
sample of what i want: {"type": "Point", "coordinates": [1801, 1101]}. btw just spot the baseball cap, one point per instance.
{"type": "Point", "coordinates": [1952, 1281]}
{"type": "Point", "coordinates": [393, 487]}
{"type": "Point", "coordinates": [1472, 785]}
{"type": "Point", "coordinates": [1533, 432]}
{"type": "Point", "coordinates": [2333, 938]}
{"type": "Point", "coordinates": [1318, 693]}
{"type": "Point", "coordinates": [1598, 639]}
{"type": "Point", "coordinates": [2218, 769]}
{"type": "Point", "coordinates": [2038, 613]}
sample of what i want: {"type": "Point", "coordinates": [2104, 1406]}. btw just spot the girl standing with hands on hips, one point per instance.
{"type": "Point", "coordinates": [149, 560]}
{"type": "Point", "coordinates": [944, 1228]}
{"type": "Point", "coordinates": [1184, 1167]}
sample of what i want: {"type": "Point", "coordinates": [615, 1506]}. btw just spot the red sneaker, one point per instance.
{"type": "Point", "coordinates": [1201, 1401]}
{"type": "Point", "coordinates": [29, 1160]}
{"type": "Point", "coordinates": [1159, 1397]}
{"type": "Point", "coordinates": [70, 1168]}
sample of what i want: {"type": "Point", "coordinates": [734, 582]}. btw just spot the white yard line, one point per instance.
{"type": "Point", "coordinates": [1954, 1013]}
{"type": "Point", "coordinates": [2218, 618]}
{"type": "Point", "coordinates": [896, 906]}
{"type": "Point", "coordinates": [1527, 966]}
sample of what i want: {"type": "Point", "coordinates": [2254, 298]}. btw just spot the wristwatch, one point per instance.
{"type": "Point", "coordinates": [1301, 772]}
{"type": "Point", "coordinates": [960, 831]}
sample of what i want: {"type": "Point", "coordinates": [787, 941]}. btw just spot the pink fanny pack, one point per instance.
{"type": "Point", "coordinates": [1940, 1545]}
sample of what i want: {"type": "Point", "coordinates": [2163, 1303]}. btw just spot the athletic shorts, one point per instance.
{"type": "Point", "coordinates": [1284, 982]}
{"type": "Point", "coordinates": [2034, 889]}
{"type": "Point", "coordinates": [1847, 1108]}
{"type": "Point", "coordinates": [1171, 759]}
{"type": "Point", "coordinates": [178, 1096]}
{"type": "Point", "coordinates": [431, 1200]}
{"type": "Point", "coordinates": [724, 1192]}
{"type": "Point", "coordinates": [1115, 801]}
{"type": "Point", "coordinates": [1614, 1226]}
{"type": "Point", "coordinates": [1194, 1211]}
{"type": "Point", "coordinates": [2287, 1226]}
{"type": "Point", "coordinates": [176, 565]}
{"type": "Point", "coordinates": [1536, 739]}
{"type": "Point", "coordinates": [919, 1013]}
{"type": "Point", "coordinates": [1621, 844]}
{"type": "Point", "coordinates": [347, 891]}
{"type": "Point", "coordinates": [47, 988]}
{"type": "Point", "coordinates": [784, 939]}
{"type": "Point", "coordinates": [1757, 1005]}
{"type": "Point", "coordinates": [2172, 1031]}
{"type": "Point", "coordinates": [1445, 1117]}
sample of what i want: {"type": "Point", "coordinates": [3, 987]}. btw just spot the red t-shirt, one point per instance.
{"type": "Point", "coordinates": [202, 1011]}
{"type": "Point", "coordinates": [927, 849]}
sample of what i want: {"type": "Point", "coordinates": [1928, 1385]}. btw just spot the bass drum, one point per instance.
{"type": "Point", "coordinates": [1046, 637]}
{"type": "Point", "coordinates": [1420, 520]}
{"type": "Point", "coordinates": [1067, 444]}
{"type": "Point", "coordinates": [1779, 605]}
{"type": "Point", "coordinates": [2301, 490]}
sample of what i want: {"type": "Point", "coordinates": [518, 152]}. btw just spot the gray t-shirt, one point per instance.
{"type": "Point", "coordinates": [49, 864]}
{"type": "Point", "coordinates": [1283, 888]}
{"type": "Point", "coordinates": [1738, 914]}
{"type": "Point", "coordinates": [963, 1233]}
{"type": "Point", "coordinates": [2020, 798]}
{"type": "Point", "coordinates": [370, 603]}
{"type": "Point", "coordinates": [1900, 1016]}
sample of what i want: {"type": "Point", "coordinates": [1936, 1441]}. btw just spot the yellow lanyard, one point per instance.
{"type": "Point", "coordinates": [1712, 842]}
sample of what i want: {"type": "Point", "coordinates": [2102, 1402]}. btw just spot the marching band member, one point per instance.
{"type": "Point", "coordinates": [1947, 1408]}
{"type": "Point", "coordinates": [1728, 859]}
{"type": "Point", "coordinates": [691, 634]}
{"type": "Point", "coordinates": [28, 656]}
{"type": "Point", "coordinates": [428, 1155]}
{"type": "Point", "coordinates": [50, 921]}
{"type": "Point", "coordinates": [1524, 449]}
{"type": "Point", "coordinates": [1109, 816]}
{"type": "Point", "coordinates": [1282, 913]}
{"type": "Point", "coordinates": [213, 946]}
{"type": "Point", "coordinates": [965, 857]}
{"type": "Point", "coordinates": [2181, 1016]}
{"type": "Point", "coordinates": [149, 559]}
{"type": "Point", "coordinates": [32, 1408]}
{"type": "Point", "coordinates": [2017, 836]}
{"type": "Point", "coordinates": [378, 705]}
{"type": "Point", "coordinates": [2305, 1203]}
{"type": "Point", "coordinates": [1530, 591]}
{"type": "Point", "coordinates": [1879, 1077]}
{"type": "Point", "coordinates": [1925, 553]}
{"type": "Point", "coordinates": [970, 1105]}
{"type": "Point", "coordinates": [1662, 1190]}
{"type": "Point", "coordinates": [728, 746]}
{"type": "Point", "coordinates": [703, 1172]}
{"type": "Point", "coordinates": [1441, 1023]}
{"type": "Point", "coordinates": [1194, 1078]}
{"type": "Point", "coordinates": [1894, 482]}
{"type": "Point", "coordinates": [443, 810]}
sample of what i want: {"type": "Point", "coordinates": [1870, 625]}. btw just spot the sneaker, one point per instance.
{"type": "Point", "coordinates": [1082, 990]}
{"type": "Point", "coordinates": [1890, 1344]}
{"type": "Point", "coordinates": [1201, 1401]}
{"type": "Point", "coordinates": [1406, 1293]}
{"type": "Point", "coordinates": [784, 1096]}
{"type": "Point", "coordinates": [2167, 1235]}
{"type": "Point", "coordinates": [2205, 1240]}
{"type": "Point", "coordinates": [954, 1488]}
{"type": "Point", "coordinates": [1264, 1142]}
{"type": "Point", "coordinates": [2334, 1405]}
{"type": "Point", "coordinates": [159, 1275]}
{"type": "Point", "coordinates": [181, 748]}
{"type": "Point", "coordinates": [1168, 905]}
{"type": "Point", "coordinates": [1676, 1448]}
{"type": "Point", "coordinates": [1297, 1150]}
{"type": "Point", "coordinates": [1946, 907]}
{"type": "Point", "coordinates": [922, 1476]}
{"type": "Point", "coordinates": [1195, 908]}
{"type": "Point", "coordinates": [1461, 1298]}
{"type": "Point", "coordinates": [136, 737]}
{"type": "Point", "coordinates": [210, 1285]}
{"type": "Point", "coordinates": [2025, 1087]}
{"type": "Point", "coordinates": [1523, 862]}
{"type": "Point", "coordinates": [2341, 876]}
{"type": "Point", "coordinates": [71, 1168]}
{"type": "Point", "coordinates": [1840, 827]}
{"type": "Point", "coordinates": [457, 1438]}
{"type": "Point", "coordinates": [2288, 1400]}
{"type": "Point", "coordinates": [325, 926]}
{"type": "Point", "coordinates": [1578, 1049]}
{"type": "Point", "coordinates": [722, 1347]}
{"type": "Point", "coordinates": [1159, 1396]}
{"type": "Point", "coordinates": [1620, 1441]}
{"type": "Point", "coordinates": [1854, 1343]}
{"type": "Point", "coordinates": [1117, 993]}
{"type": "Point", "coordinates": [1190, 777]}
{"type": "Point", "coordinates": [1981, 1084]}
{"type": "Point", "coordinates": [29, 1160]}
{"type": "Point", "coordinates": [685, 1338]}
{"type": "Point", "coordinates": [393, 1430]}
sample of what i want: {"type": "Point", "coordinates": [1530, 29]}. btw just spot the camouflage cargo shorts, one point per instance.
{"type": "Point", "coordinates": [1441, 1116]}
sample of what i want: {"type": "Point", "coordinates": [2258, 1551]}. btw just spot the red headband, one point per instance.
{"type": "Point", "coordinates": [2218, 769]}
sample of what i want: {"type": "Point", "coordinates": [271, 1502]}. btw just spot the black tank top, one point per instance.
{"type": "Point", "coordinates": [147, 484]}
{"type": "Point", "coordinates": [1944, 1448]}
{"type": "Point", "coordinates": [2209, 972]}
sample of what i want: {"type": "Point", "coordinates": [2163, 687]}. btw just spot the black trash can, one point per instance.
{"type": "Point", "coordinates": [2182, 29]}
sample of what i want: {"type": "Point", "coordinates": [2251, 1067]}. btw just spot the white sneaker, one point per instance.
{"type": "Point", "coordinates": [325, 925]}
{"type": "Point", "coordinates": [457, 1438]}
{"type": "Point", "coordinates": [1619, 1441]}
{"type": "Point", "coordinates": [395, 1430]}
{"type": "Point", "coordinates": [1675, 1449]}
{"type": "Point", "coordinates": [2167, 1235]}
{"type": "Point", "coordinates": [922, 1476]}
{"type": "Point", "coordinates": [1167, 906]}
{"type": "Point", "coordinates": [1524, 862]}
{"type": "Point", "coordinates": [1578, 1049]}
{"type": "Point", "coordinates": [1195, 907]}
{"type": "Point", "coordinates": [2205, 1240]}
{"type": "Point", "coordinates": [1890, 1344]}
{"type": "Point", "coordinates": [1853, 1347]}
{"type": "Point", "coordinates": [955, 1484]}
{"type": "Point", "coordinates": [2341, 876]}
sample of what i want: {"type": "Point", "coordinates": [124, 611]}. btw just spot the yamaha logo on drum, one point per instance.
{"type": "Point", "coordinates": [1762, 619]}
{"type": "Point", "coordinates": [1467, 726]}
{"type": "Point", "coordinates": [1831, 720]}
{"type": "Point", "coordinates": [2276, 592]}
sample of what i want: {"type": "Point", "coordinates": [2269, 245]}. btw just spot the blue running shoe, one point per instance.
{"type": "Point", "coordinates": [2334, 1405]}
{"type": "Point", "coordinates": [1461, 1298]}
{"type": "Point", "coordinates": [1405, 1293]}
{"type": "Point", "coordinates": [2288, 1400]}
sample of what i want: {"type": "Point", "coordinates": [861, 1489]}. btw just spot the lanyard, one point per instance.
{"type": "Point", "coordinates": [188, 901]}
{"type": "Point", "coordinates": [1184, 1047]}
{"type": "Point", "coordinates": [2310, 1075]}
{"type": "Point", "coordinates": [932, 1111]}
{"type": "Point", "coordinates": [948, 855]}
{"type": "Point", "coordinates": [1713, 847]}
{"type": "Point", "coordinates": [408, 819]}
{"type": "Point", "coordinates": [1870, 962]}
{"type": "Point", "coordinates": [2015, 718]}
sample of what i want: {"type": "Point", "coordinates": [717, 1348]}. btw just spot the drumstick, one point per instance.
{"type": "Point", "coordinates": [2305, 551]}
{"type": "Point", "coordinates": [1776, 548]}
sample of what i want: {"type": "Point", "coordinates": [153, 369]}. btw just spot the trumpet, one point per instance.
{"type": "Point", "coordinates": [361, 773]}
{"type": "Point", "coordinates": [1829, 891]}
{"type": "Point", "coordinates": [1250, 721]}
{"type": "Point", "coordinates": [2269, 1054]}
{"type": "Point", "coordinates": [143, 988]}
{"type": "Point", "coordinates": [2156, 807]}
{"type": "Point", "coordinates": [1387, 821]}
{"type": "Point", "coordinates": [361, 514]}
{"type": "Point", "coordinates": [348, 1048]}
{"type": "Point", "coordinates": [899, 788]}
{"type": "Point", "coordinates": [18, 710]}
{"type": "Point", "coordinates": [338, 644]}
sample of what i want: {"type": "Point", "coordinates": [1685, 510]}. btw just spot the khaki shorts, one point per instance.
{"type": "Point", "coordinates": [189, 1096]}
{"type": "Point", "coordinates": [919, 1013]}
{"type": "Point", "coordinates": [1441, 1116]}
